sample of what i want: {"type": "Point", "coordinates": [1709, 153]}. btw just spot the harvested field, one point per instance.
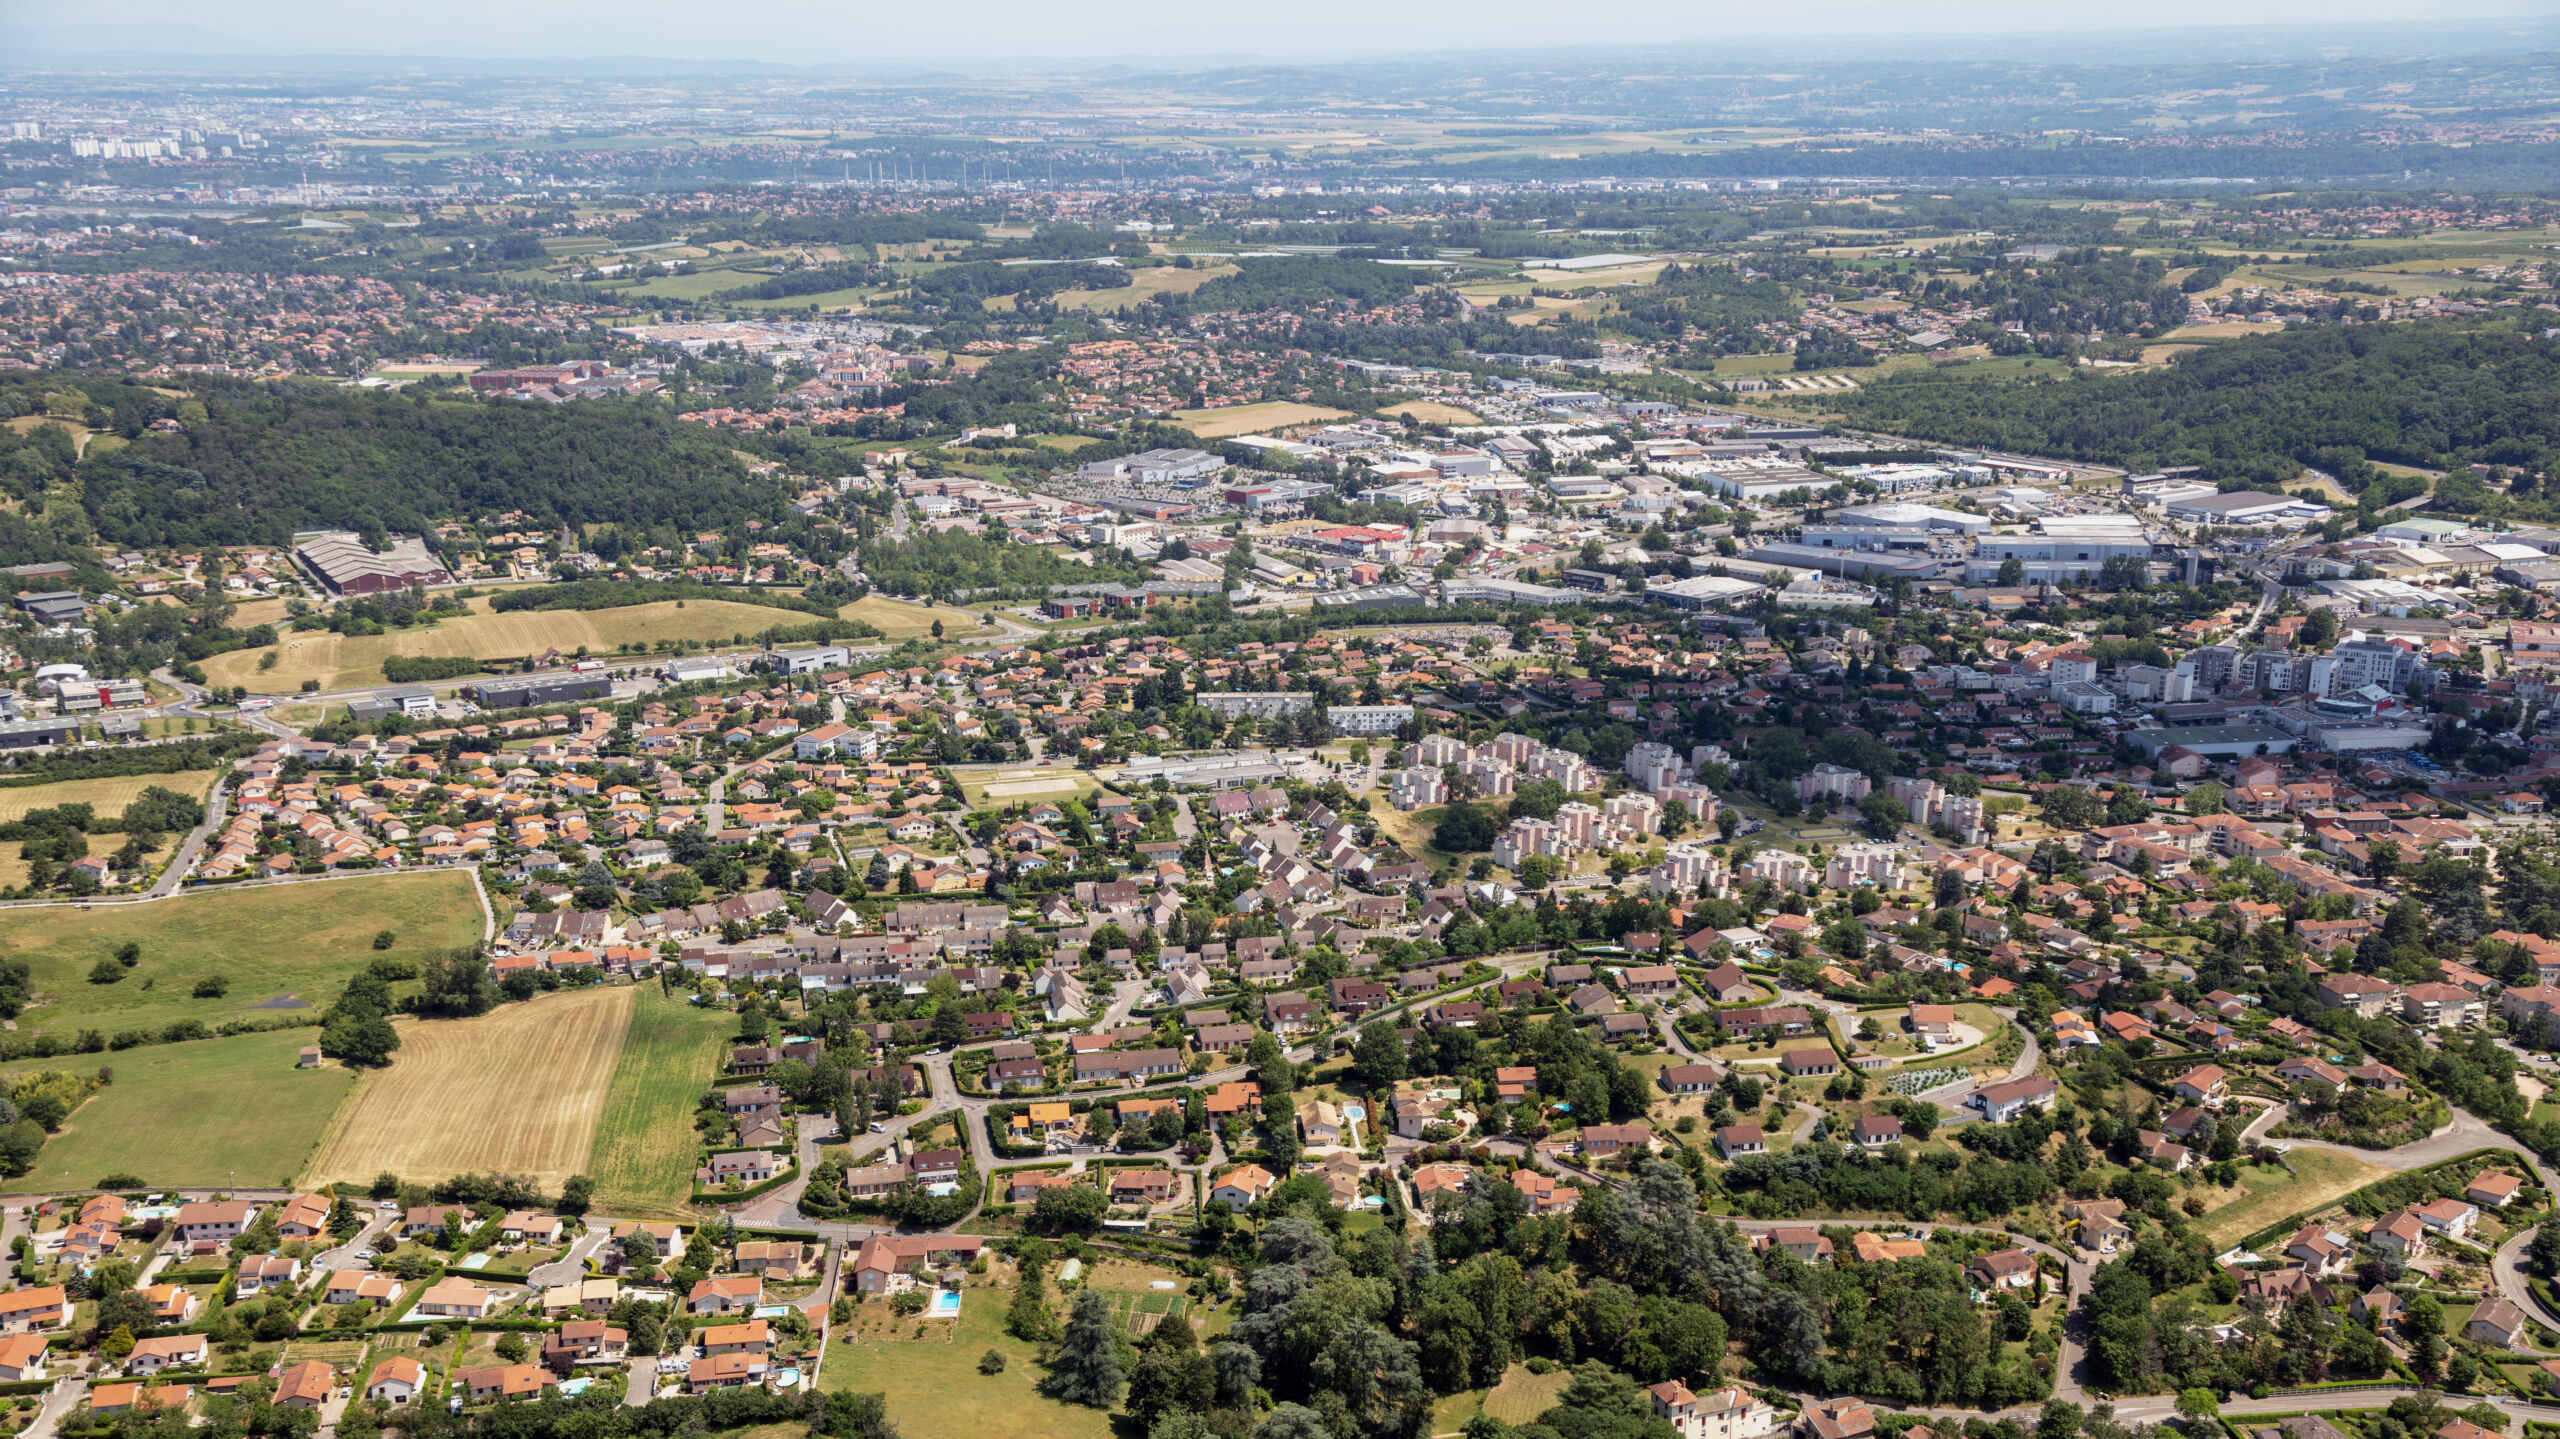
{"type": "Point", "coordinates": [1252, 419]}
{"type": "Point", "coordinates": [518, 1091]}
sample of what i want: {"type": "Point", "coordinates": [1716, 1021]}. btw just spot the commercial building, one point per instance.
{"type": "Point", "coordinates": [1891, 526]}
{"type": "Point", "coordinates": [1848, 563]}
{"type": "Point", "coordinates": [808, 661]}
{"type": "Point", "coordinates": [532, 690]}
{"type": "Point", "coordinates": [2246, 507]}
{"type": "Point", "coordinates": [1501, 592]}
{"type": "Point", "coordinates": [341, 560]}
{"type": "Point", "coordinates": [1699, 592]}
{"type": "Point", "coordinates": [2230, 741]}
{"type": "Point", "coordinates": [415, 703]}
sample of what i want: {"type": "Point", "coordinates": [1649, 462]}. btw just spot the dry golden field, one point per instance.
{"type": "Point", "coordinates": [107, 797]}
{"type": "Point", "coordinates": [515, 1091]}
{"type": "Point", "coordinates": [338, 662]}
{"type": "Point", "coordinates": [1252, 419]}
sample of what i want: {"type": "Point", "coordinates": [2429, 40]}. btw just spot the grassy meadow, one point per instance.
{"type": "Point", "coordinates": [212, 1111]}
{"type": "Point", "coordinates": [644, 1148]}
{"type": "Point", "coordinates": [301, 940]}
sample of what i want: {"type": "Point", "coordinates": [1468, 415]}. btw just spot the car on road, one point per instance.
{"type": "Point", "coordinates": [878, 1128]}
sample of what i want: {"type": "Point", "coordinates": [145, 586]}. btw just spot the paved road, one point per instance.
{"type": "Point", "coordinates": [58, 1401]}
{"type": "Point", "coordinates": [330, 1261]}
{"type": "Point", "coordinates": [640, 1382]}
{"type": "Point", "coordinates": [217, 813]}
{"type": "Point", "coordinates": [2464, 1134]}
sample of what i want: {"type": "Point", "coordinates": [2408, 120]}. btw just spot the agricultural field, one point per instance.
{"type": "Point", "coordinates": [279, 948]}
{"type": "Point", "coordinates": [519, 1090]}
{"type": "Point", "coordinates": [1234, 420]}
{"type": "Point", "coordinates": [107, 797]}
{"type": "Point", "coordinates": [898, 619]}
{"type": "Point", "coordinates": [211, 1111]}
{"type": "Point", "coordinates": [2266, 1193]}
{"type": "Point", "coordinates": [339, 662]}
{"type": "Point", "coordinates": [643, 1154]}
{"type": "Point", "coordinates": [1144, 286]}
{"type": "Point", "coordinates": [994, 786]}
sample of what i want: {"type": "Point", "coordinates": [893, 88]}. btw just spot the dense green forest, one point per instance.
{"type": "Point", "coordinates": [261, 463]}
{"type": "Point", "coordinates": [941, 563]}
{"type": "Point", "coordinates": [2433, 394]}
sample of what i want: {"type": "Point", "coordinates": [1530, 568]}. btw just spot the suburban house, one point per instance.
{"type": "Point", "coordinates": [2003, 1269]}
{"type": "Point", "coordinates": [396, 1380]}
{"type": "Point", "coordinates": [2001, 1103]}
{"type": "Point", "coordinates": [1242, 1186]}
{"type": "Point", "coordinates": [454, 1297]}
{"type": "Point", "coordinates": [219, 1221]}
{"type": "Point", "coordinates": [504, 1383]}
{"type": "Point", "coordinates": [1728, 1413]}
{"type": "Point", "coordinates": [2496, 1322]}
{"type": "Point", "coordinates": [725, 1294]}
{"type": "Point", "coordinates": [2493, 1190]}
{"type": "Point", "coordinates": [165, 1351]}
{"type": "Point", "coordinates": [43, 1307]}
{"type": "Point", "coordinates": [306, 1385]}
{"type": "Point", "coordinates": [304, 1216]}
{"type": "Point", "coordinates": [1740, 1139]}
{"type": "Point", "coordinates": [882, 1255]}
{"type": "Point", "coordinates": [21, 1358]}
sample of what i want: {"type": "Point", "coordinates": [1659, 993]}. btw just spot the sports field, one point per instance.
{"type": "Point", "coordinates": [213, 1111]}
{"type": "Point", "coordinates": [338, 662]}
{"type": "Point", "coordinates": [516, 1091]}
{"type": "Point", "coordinates": [278, 947]}
{"type": "Point", "coordinates": [1252, 419]}
{"type": "Point", "coordinates": [642, 1161]}
{"type": "Point", "coordinates": [985, 786]}
{"type": "Point", "coordinates": [106, 796]}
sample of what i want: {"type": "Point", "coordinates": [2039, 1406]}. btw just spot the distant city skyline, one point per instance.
{"type": "Point", "coordinates": [1015, 32]}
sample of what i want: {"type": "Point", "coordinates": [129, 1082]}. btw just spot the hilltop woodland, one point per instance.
{"type": "Point", "coordinates": [2337, 398]}
{"type": "Point", "coordinates": [252, 464]}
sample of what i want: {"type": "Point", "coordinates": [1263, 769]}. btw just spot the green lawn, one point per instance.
{"type": "Point", "coordinates": [936, 1392]}
{"type": "Point", "coordinates": [2268, 1194]}
{"type": "Point", "coordinates": [213, 1111]}
{"type": "Point", "coordinates": [1519, 1399]}
{"type": "Point", "coordinates": [645, 1146]}
{"type": "Point", "coordinates": [298, 940]}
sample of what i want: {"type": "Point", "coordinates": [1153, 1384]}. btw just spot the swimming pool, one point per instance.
{"type": "Point", "coordinates": [946, 1305]}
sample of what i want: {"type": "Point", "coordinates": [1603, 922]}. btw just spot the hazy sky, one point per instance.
{"type": "Point", "coordinates": [818, 31]}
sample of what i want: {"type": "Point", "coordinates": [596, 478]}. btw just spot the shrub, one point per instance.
{"type": "Point", "coordinates": [991, 1362]}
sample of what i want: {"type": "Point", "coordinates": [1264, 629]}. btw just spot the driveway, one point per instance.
{"type": "Point", "coordinates": [571, 1266]}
